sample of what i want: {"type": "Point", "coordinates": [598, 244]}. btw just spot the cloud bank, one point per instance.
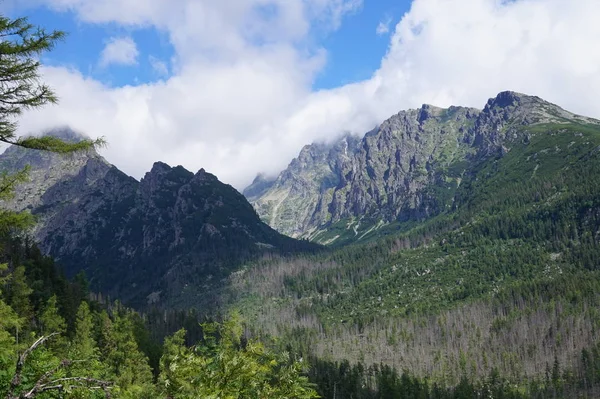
{"type": "Point", "coordinates": [383, 28]}
{"type": "Point", "coordinates": [119, 51]}
{"type": "Point", "coordinates": [239, 100]}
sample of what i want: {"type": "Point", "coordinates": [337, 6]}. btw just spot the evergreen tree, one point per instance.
{"type": "Point", "coordinates": [17, 293]}
{"type": "Point", "coordinates": [21, 88]}
{"type": "Point", "coordinates": [128, 365]}
{"type": "Point", "coordinates": [224, 367]}
{"type": "Point", "coordinates": [9, 322]}
{"type": "Point", "coordinates": [50, 321]}
{"type": "Point", "coordinates": [84, 344]}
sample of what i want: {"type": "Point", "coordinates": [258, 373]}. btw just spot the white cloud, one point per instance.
{"type": "Point", "coordinates": [158, 66]}
{"type": "Point", "coordinates": [119, 51]}
{"type": "Point", "coordinates": [239, 96]}
{"type": "Point", "coordinates": [383, 28]}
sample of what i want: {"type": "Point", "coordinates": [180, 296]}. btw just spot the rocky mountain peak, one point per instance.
{"type": "Point", "coordinates": [429, 111]}
{"type": "Point", "coordinates": [260, 184]}
{"type": "Point", "coordinates": [311, 152]}
{"type": "Point", "coordinates": [50, 169]}
{"type": "Point", "coordinates": [163, 174]}
{"type": "Point", "coordinates": [158, 169]}
{"type": "Point", "coordinates": [65, 133]}
{"type": "Point", "coordinates": [396, 170]}
{"type": "Point", "coordinates": [506, 99]}
{"type": "Point", "coordinates": [522, 109]}
{"type": "Point", "coordinates": [157, 236]}
{"type": "Point", "coordinates": [203, 176]}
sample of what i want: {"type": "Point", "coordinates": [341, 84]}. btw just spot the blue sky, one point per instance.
{"type": "Point", "coordinates": [85, 42]}
{"type": "Point", "coordinates": [354, 50]}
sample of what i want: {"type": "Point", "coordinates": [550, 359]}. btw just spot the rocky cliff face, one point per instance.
{"type": "Point", "coordinates": [406, 169]}
{"type": "Point", "coordinates": [168, 237]}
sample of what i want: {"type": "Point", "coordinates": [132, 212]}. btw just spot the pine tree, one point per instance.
{"type": "Point", "coordinates": [84, 345]}
{"type": "Point", "coordinates": [17, 293]}
{"type": "Point", "coordinates": [85, 353]}
{"type": "Point", "coordinates": [50, 321]}
{"type": "Point", "coordinates": [127, 363]}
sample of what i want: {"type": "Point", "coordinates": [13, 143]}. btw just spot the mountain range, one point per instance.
{"type": "Point", "coordinates": [167, 237]}
{"type": "Point", "coordinates": [458, 243]}
{"type": "Point", "coordinates": [406, 169]}
{"type": "Point", "coordinates": [465, 246]}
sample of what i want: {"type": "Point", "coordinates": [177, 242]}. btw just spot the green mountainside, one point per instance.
{"type": "Point", "coordinates": [495, 266]}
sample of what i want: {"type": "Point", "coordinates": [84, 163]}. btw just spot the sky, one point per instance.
{"type": "Point", "coordinates": [238, 87]}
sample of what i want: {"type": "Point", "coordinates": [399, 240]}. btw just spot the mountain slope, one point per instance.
{"type": "Point", "coordinates": [504, 280]}
{"type": "Point", "coordinates": [169, 237]}
{"type": "Point", "coordinates": [407, 169]}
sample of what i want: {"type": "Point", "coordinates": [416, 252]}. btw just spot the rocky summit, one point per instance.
{"type": "Point", "coordinates": [167, 238]}
{"type": "Point", "coordinates": [407, 169]}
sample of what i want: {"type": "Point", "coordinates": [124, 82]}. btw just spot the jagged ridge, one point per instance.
{"type": "Point", "coordinates": [166, 238]}
{"type": "Point", "coordinates": [408, 168]}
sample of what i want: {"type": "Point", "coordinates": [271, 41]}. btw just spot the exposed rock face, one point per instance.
{"type": "Point", "coordinates": [47, 169]}
{"type": "Point", "coordinates": [166, 236]}
{"type": "Point", "coordinates": [407, 168]}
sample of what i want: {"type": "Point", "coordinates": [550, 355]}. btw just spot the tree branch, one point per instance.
{"type": "Point", "coordinates": [59, 385]}
{"type": "Point", "coordinates": [16, 380]}
{"type": "Point", "coordinates": [43, 384]}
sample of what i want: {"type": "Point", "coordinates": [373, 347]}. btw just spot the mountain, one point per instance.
{"type": "Point", "coordinates": [407, 169]}
{"type": "Point", "coordinates": [484, 267]}
{"type": "Point", "coordinates": [482, 257]}
{"type": "Point", "coordinates": [167, 238]}
{"type": "Point", "coordinates": [472, 258]}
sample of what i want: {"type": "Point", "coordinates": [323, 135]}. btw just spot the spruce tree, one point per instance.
{"type": "Point", "coordinates": [128, 365]}
{"type": "Point", "coordinates": [9, 322]}
{"type": "Point", "coordinates": [50, 321]}
{"type": "Point", "coordinates": [84, 344]}
{"type": "Point", "coordinates": [17, 292]}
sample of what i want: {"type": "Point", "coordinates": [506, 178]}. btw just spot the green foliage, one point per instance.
{"type": "Point", "coordinates": [8, 182]}
{"type": "Point", "coordinates": [54, 144]}
{"type": "Point", "coordinates": [9, 323]}
{"type": "Point", "coordinates": [50, 321]}
{"type": "Point", "coordinates": [130, 367]}
{"type": "Point", "coordinates": [17, 293]}
{"type": "Point", "coordinates": [84, 345]}
{"type": "Point", "coordinates": [378, 381]}
{"type": "Point", "coordinates": [19, 70]}
{"type": "Point", "coordinates": [223, 366]}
